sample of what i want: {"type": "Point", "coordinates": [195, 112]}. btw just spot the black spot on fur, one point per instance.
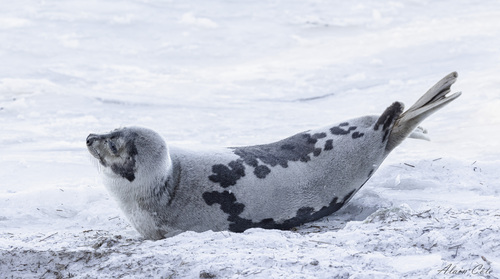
{"type": "Point", "coordinates": [251, 162]}
{"type": "Point", "coordinates": [228, 204]}
{"type": "Point", "coordinates": [319, 136]}
{"type": "Point", "coordinates": [316, 152]}
{"type": "Point", "coordinates": [124, 171]}
{"type": "Point", "coordinates": [356, 135]}
{"type": "Point", "coordinates": [307, 214]}
{"type": "Point", "coordinates": [226, 200]}
{"type": "Point", "coordinates": [294, 148]}
{"type": "Point", "coordinates": [227, 175]}
{"type": "Point", "coordinates": [287, 147]}
{"type": "Point", "coordinates": [329, 145]}
{"type": "Point", "coordinates": [261, 171]}
{"type": "Point", "coordinates": [338, 130]}
{"type": "Point", "coordinates": [387, 119]}
{"type": "Point", "coordinates": [127, 169]}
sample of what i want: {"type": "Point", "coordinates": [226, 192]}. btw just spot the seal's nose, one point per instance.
{"type": "Point", "coordinates": [91, 138]}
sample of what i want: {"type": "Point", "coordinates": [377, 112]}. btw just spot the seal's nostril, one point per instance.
{"type": "Point", "coordinates": [90, 139]}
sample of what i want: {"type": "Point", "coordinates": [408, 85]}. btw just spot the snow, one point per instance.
{"type": "Point", "coordinates": [246, 72]}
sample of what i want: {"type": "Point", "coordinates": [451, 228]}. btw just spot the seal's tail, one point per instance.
{"type": "Point", "coordinates": [430, 102]}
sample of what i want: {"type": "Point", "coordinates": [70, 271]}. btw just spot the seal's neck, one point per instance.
{"type": "Point", "coordinates": [154, 183]}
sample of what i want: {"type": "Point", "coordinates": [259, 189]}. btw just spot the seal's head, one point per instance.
{"type": "Point", "coordinates": [130, 153]}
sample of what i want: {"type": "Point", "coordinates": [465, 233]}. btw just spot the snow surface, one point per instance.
{"type": "Point", "coordinates": [247, 72]}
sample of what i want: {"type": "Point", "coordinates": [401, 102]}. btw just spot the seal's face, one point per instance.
{"type": "Point", "coordinates": [116, 151]}
{"type": "Point", "coordinates": [127, 151]}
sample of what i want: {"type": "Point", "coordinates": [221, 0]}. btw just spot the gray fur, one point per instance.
{"type": "Point", "coordinates": [164, 191]}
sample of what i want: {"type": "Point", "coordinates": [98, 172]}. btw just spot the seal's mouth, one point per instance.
{"type": "Point", "coordinates": [94, 152]}
{"type": "Point", "coordinates": [91, 139]}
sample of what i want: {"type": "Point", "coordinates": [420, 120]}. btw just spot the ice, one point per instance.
{"type": "Point", "coordinates": [235, 73]}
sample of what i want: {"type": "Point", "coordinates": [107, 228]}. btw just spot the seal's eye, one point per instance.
{"type": "Point", "coordinates": [112, 147]}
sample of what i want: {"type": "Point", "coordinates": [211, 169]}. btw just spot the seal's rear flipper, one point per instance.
{"type": "Point", "coordinates": [430, 102]}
